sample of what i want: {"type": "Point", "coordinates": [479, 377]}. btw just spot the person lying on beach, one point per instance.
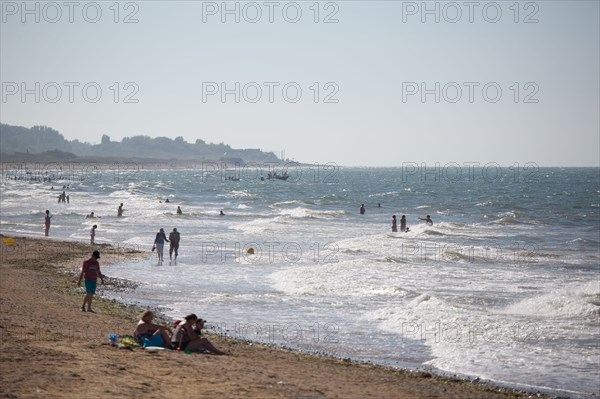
{"type": "Point", "coordinates": [187, 336]}
{"type": "Point", "coordinates": [151, 334]}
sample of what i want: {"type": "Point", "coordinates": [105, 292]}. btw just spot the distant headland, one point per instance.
{"type": "Point", "coordinates": [44, 144]}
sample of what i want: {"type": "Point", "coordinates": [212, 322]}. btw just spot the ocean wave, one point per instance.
{"type": "Point", "coordinates": [305, 213]}
{"type": "Point", "coordinates": [431, 232]}
{"type": "Point", "coordinates": [577, 301]}
{"type": "Point", "coordinates": [386, 194]}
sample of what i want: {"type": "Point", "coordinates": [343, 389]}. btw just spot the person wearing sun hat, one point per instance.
{"type": "Point", "coordinates": [91, 271]}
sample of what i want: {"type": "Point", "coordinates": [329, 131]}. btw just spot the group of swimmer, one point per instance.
{"type": "Point", "coordinates": [403, 227]}
{"type": "Point", "coordinates": [48, 220]}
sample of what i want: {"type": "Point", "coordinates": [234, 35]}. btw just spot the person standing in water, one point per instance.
{"type": "Point", "coordinates": [93, 234]}
{"type": "Point", "coordinates": [174, 238]}
{"type": "Point", "coordinates": [47, 222]}
{"type": "Point", "coordinates": [394, 224]}
{"type": "Point", "coordinates": [362, 209]}
{"type": "Point", "coordinates": [159, 243]}
{"type": "Point", "coordinates": [403, 224]}
{"type": "Point", "coordinates": [179, 211]}
{"type": "Point", "coordinates": [120, 210]}
{"type": "Point", "coordinates": [427, 220]}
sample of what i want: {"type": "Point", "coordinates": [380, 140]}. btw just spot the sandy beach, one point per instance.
{"type": "Point", "coordinates": [51, 349]}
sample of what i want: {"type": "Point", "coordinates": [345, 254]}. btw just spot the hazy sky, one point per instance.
{"type": "Point", "coordinates": [370, 83]}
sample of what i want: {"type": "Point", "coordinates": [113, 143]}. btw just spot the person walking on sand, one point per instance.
{"type": "Point", "coordinates": [403, 224]}
{"type": "Point", "coordinates": [427, 220]}
{"type": "Point", "coordinates": [120, 210]}
{"type": "Point", "coordinates": [174, 238]}
{"type": "Point", "coordinates": [159, 243]}
{"type": "Point", "coordinates": [93, 234]}
{"type": "Point", "coordinates": [47, 222]}
{"type": "Point", "coordinates": [362, 209]}
{"type": "Point", "coordinates": [394, 224]}
{"type": "Point", "coordinates": [91, 271]}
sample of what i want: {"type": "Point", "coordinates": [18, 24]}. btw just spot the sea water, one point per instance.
{"type": "Point", "coordinates": [504, 286]}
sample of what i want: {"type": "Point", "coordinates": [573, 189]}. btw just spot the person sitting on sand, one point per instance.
{"type": "Point", "coordinates": [427, 220]}
{"type": "Point", "coordinates": [151, 334]}
{"type": "Point", "coordinates": [186, 336]}
{"type": "Point", "coordinates": [208, 345]}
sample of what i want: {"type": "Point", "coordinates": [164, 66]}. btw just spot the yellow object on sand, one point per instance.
{"type": "Point", "coordinates": [9, 241]}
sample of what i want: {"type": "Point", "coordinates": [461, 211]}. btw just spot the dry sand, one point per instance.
{"type": "Point", "coordinates": [50, 349]}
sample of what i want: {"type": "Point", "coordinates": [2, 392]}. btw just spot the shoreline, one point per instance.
{"type": "Point", "coordinates": [69, 350]}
